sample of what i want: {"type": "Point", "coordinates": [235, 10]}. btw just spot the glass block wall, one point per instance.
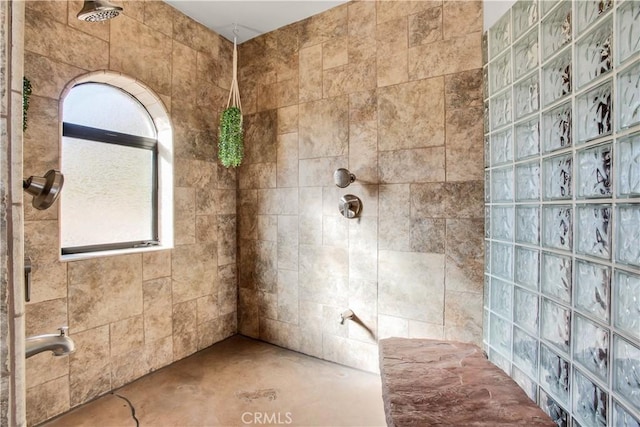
{"type": "Point", "coordinates": [562, 193]}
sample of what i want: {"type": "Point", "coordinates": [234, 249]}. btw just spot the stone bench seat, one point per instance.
{"type": "Point", "coordinates": [448, 383]}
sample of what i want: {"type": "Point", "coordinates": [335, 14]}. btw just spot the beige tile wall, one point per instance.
{"type": "Point", "coordinates": [12, 314]}
{"type": "Point", "coordinates": [392, 91]}
{"type": "Point", "coordinates": [130, 314]}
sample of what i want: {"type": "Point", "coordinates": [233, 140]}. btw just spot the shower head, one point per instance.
{"type": "Point", "coordinates": [98, 10]}
{"type": "Point", "coordinates": [45, 190]}
{"type": "Point", "coordinates": [342, 177]}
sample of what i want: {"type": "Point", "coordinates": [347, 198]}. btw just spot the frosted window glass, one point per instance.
{"type": "Point", "coordinates": [105, 107]}
{"type": "Point", "coordinates": [107, 193]}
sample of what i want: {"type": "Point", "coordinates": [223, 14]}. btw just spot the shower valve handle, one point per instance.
{"type": "Point", "coordinates": [350, 206]}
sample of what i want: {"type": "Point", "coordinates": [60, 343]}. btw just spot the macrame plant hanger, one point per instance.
{"type": "Point", "coordinates": [234, 93]}
{"type": "Point", "coordinates": [230, 141]}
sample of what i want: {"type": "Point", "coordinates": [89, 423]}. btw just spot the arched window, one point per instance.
{"type": "Point", "coordinates": [110, 161]}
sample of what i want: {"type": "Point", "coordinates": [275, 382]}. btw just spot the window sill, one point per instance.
{"type": "Point", "coordinates": [115, 252]}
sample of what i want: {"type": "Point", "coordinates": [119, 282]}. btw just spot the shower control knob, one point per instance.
{"type": "Point", "coordinates": [350, 206]}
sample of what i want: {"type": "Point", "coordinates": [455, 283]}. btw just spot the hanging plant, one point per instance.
{"type": "Point", "coordinates": [230, 137]}
{"type": "Point", "coordinates": [26, 93]}
{"type": "Point", "coordinates": [230, 142]}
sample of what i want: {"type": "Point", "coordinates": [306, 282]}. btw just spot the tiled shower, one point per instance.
{"type": "Point", "coordinates": [562, 206]}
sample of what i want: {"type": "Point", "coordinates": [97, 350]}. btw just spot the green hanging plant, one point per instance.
{"type": "Point", "coordinates": [26, 93]}
{"type": "Point", "coordinates": [230, 142]}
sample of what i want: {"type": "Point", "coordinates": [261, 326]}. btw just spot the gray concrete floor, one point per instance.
{"type": "Point", "coordinates": [240, 382]}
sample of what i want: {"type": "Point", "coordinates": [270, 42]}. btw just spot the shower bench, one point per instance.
{"type": "Point", "coordinates": [448, 383]}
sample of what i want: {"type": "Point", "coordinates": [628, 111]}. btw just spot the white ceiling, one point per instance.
{"type": "Point", "coordinates": [253, 17]}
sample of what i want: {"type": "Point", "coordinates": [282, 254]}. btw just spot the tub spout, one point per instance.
{"type": "Point", "coordinates": [60, 344]}
{"type": "Point", "coordinates": [348, 314]}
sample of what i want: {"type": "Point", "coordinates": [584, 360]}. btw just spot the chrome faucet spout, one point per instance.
{"type": "Point", "coordinates": [59, 344]}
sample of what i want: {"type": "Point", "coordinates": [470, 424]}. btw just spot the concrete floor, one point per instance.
{"type": "Point", "coordinates": [239, 382]}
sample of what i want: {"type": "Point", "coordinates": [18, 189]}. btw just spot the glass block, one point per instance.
{"type": "Point", "coordinates": [592, 289]}
{"type": "Point", "coordinates": [594, 172]}
{"type": "Point", "coordinates": [500, 334]}
{"type": "Point", "coordinates": [556, 128]}
{"type": "Point", "coordinates": [628, 225]}
{"type": "Point", "coordinates": [527, 138]}
{"type": "Point", "coordinates": [591, 347]}
{"type": "Point", "coordinates": [556, 276]}
{"type": "Point", "coordinates": [525, 311]}
{"type": "Point", "coordinates": [626, 370]}
{"type": "Point", "coordinates": [502, 147]}
{"type": "Point", "coordinates": [502, 185]}
{"type": "Point", "coordinates": [502, 260]}
{"type": "Point", "coordinates": [485, 117]}
{"type": "Point", "coordinates": [527, 265]}
{"type": "Point", "coordinates": [487, 151]}
{"type": "Point", "coordinates": [556, 325]}
{"type": "Point", "coordinates": [627, 171]}
{"type": "Point", "coordinates": [526, 93]}
{"type": "Point", "coordinates": [594, 53]}
{"type": "Point", "coordinates": [487, 186]}
{"type": "Point", "coordinates": [500, 35]}
{"type": "Point", "coordinates": [557, 177]}
{"type": "Point", "coordinates": [500, 361]}
{"type": "Point", "coordinates": [525, 54]}
{"type": "Point", "coordinates": [527, 384]}
{"type": "Point", "coordinates": [554, 374]}
{"type": "Point", "coordinates": [487, 256]}
{"type": "Point", "coordinates": [547, 5]}
{"type": "Point", "coordinates": [556, 29]}
{"type": "Point", "coordinates": [500, 73]}
{"type": "Point", "coordinates": [593, 230]}
{"type": "Point", "coordinates": [556, 78]}
{"type": "Point", "coordinates": [500, 109]}
{"type": "Point", "coordinates": [528, 181]}
{"type": "Point", "coordinates": [528, 224]}
{"type": "Point", "coordinates": [589, 401]}
{"type": "Point", "coordinates": [557, 413]}
{"type": "Point", "coordinates": [629, 97]}
{"type": "Point", "coordinates": [487, 291]}
{"type": "Point", "coordinates": [501, 297]}
{"type": "Point", "coordinates": [589, 11]}
{"type": "Point", "coordinates": [557, 227]}
{"type": "Point", "coordinates": [626, 308]}
{"type": "Point", "coordinates": [485, 326]}
{"type": "Point", "coordinates": [594, 113]}
{"type": "Point", "coordinates": [525, 14]}
{"type": "Point", "coordinates": [487, 222]}
{"type": "Point", "coordinates": [525, 351]}
{"type": "Point", "coordinates": [622, 418]}
{"type": "Point", "coordinates": [485, 48]}
{"type": "Point", "coordinates": [485, 82]}
{"type": "Point", "coordinates": [628, 30]}
{"type": "Point", "coordinates": [502, 220]}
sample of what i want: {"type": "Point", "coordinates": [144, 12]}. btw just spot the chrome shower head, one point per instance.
{"type": "Point", "coordinates": [45, 190]}
{"type": "Point", "coordinates": [342, 177]}
{"type": "Point", "coordinates": [98, 10]}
